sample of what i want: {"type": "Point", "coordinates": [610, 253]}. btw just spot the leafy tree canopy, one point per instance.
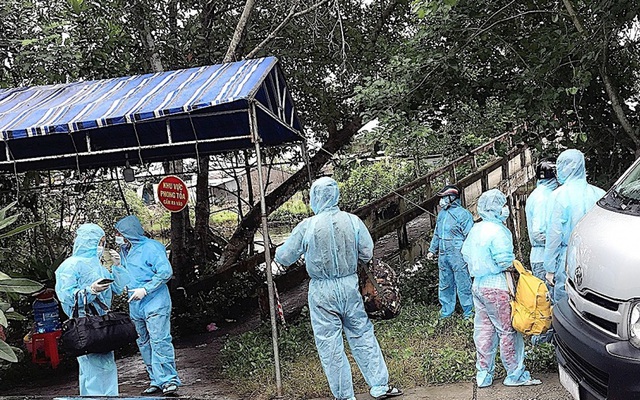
{"type": "Point", "coordinates": [483, 67]}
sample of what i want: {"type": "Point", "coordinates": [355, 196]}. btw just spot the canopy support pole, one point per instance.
{"type": "Point", "coordinates": [305, 157]}
{"type": "Point", "coordinates": [267, 248]}
{"type": "Point", "coordinates": [195, 135]}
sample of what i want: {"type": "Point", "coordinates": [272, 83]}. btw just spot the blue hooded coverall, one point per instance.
{"type": "Point", "coordinates": [569, 203]}
{"type": "Point", "coordinates": [98, 373]}
{"type": "Point", "coordinates": [452, 227]}
{"type": "Point", "coordinates": [536, 211]}
{"type": "Point", "coordinates": [332, 241]}
{"type": "Point", "coordinates": [148, 267]}
{"type": "Point", "coordinates": [488, 251]}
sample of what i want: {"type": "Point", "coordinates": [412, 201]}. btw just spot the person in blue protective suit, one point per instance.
{"type": "Point", "coordinates": [332, 242]}
{"type": "Point", "coordinates": [80, 276]}
{"type": "Point", "coordinates": [452, 226]}
{"type": "Point", "coordinates": [148, 268]}
{"type": "Point", "coordinates": [488, 251]}
{"type": "Point", "coordinates": [569, 203]}
{"type": "Point", "coordinates": [536, 211]}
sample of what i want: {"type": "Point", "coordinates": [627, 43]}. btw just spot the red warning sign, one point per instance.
{"type": "Point", "coordinates": [172, 193]}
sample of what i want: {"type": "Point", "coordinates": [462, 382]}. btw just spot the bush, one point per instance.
{"type": "Point", "coordinates": [366, 183]}
{"type": "Point", "coordinates": [419, 282]}
{"type": "Point", "coordinates": [223, 217]}
{"type": "Point", "coordinates": [227, 299]}
{"type": "Point", "coordinates": [291, 212]}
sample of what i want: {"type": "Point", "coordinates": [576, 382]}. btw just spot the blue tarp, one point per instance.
{"type": "Point", "coordinates": [146, 118]}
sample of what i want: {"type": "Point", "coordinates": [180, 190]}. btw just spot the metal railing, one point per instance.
{"type": "Point", "coordinates": [392, 212]}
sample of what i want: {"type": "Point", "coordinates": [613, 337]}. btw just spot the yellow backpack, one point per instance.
{"type": "Point", "coordinates": [530, 305]}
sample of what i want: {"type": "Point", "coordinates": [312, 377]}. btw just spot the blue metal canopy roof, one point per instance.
{"type": "Point", "coordinates": [146, 118]}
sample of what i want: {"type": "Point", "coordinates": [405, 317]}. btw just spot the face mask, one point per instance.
{"type": "Point", "coordinates": [504, 214]}
{"type": "Point", "coordinates": [100, 251]}
{"type": "Point", "coordinates": [445, 202]}
{"type": "Point", "coordinates": [120, 240]}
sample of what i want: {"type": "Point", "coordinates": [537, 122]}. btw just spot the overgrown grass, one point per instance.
{"type": "Point", "coordinates": [419, 350]}
{"type": "Point", "coordinates": [223, 217]}
{"type": "Point", "coordinates": [291, 212]}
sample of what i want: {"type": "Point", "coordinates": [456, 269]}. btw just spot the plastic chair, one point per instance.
{"type": "Point", "coordinates": [45, 348]}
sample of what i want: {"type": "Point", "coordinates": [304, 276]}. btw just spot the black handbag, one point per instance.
{"type": "Point", "coordinates": [95, 333]}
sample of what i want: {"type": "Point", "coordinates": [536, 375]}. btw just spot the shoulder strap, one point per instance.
{"type": "Point", "coordinates": [89, 308]}
{"type": "Point", "coordinates": [101, 304]}
{"type": "Point", "coordinates": [372, 278]}
{"type": "Point", "coordinates": [511, 286]}
{"type": "Point", "coordinates": [519, 267]}
{"type": "Point", "coordinates": [75, 312]}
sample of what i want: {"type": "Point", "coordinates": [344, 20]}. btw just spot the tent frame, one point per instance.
{"type": "Point", "coordinates": [255, 137]}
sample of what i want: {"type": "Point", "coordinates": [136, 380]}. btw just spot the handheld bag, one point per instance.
{"type": "Point", "coordinates": [380, 290]}
{"type": "Point", "coordinates": [530, 305]}
{"type": "Point", "coordinates": [95, 333]}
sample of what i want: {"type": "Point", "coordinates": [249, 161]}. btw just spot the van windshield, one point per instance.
{"type": "Point", "coordinates": [625, 196]}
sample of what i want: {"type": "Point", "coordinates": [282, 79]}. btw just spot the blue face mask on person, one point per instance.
{"type": "Point", "coordinates": [504, 214]}
{"type": "Point", "coordinates": [445, 202]}
{"type": "Point", "coordinates": [100, 251]}
{"type": "Point", "coordinates": [119, 240]}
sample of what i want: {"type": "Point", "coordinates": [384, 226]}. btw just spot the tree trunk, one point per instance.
{"type": "Point", "coordinates": [251, 222]}
{"type": "Point", "coordinates": [180, 224]}
{"type": "Point", "coordinates": [203, 211]}
{"type": "Point", "coordinates": [180, 229]}
{"type": "Point", "coordinates": [203, 207]}
{"type": "Point", "coordinates": [238, 34]}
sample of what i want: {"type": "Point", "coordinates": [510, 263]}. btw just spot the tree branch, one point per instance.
{"type": "Point", "coordinates": [237, 34]}
{"type": "Point", "coordinates": [291, 15]}
{"type": "Point", "coordinates": [248, 226]}
{"type": "Point", "coordinates": [611, 91]}
{"type": "Point", "coordinates": [383, 18]}
{"type": "Point", "coordinates": [617, 106]}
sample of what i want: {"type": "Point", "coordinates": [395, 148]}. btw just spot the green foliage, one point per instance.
{"type": "Point", "coordinates": [227, 300]}
{"type": "Point", "coordinates": [483, 67]}
{"type": "Point", "coordinates": [6, 352]}
{"type": "Point", "coordinates": [291, 212]}
{"type": "Point", "coordinates": [19, 285]}
{"type": "Point", "coordinates": [10, 286]}
{"type": "Point", "coordinates": [367, 182]}
{"type": "Point", "coordinates": [419, 283]}
{"type": "Point", "coordinates": [541, 357]}
{"type": "Point", "coordinates": [223, 217]}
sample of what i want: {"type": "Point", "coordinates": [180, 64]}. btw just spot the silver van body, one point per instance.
{"type": "Point", "coordinates": [598, 326]}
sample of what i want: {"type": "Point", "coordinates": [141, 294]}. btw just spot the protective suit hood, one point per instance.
{"type": "Point", "coordinates": [131, 228]}
{"type": "Point", "coordinates": [490, 205]}
{"type": "Point", "coordinates": [324, 194]}
{"type": "Point", "coordinates": [87, 239]}
{"type": "Point", "coordinates": [570, 166]}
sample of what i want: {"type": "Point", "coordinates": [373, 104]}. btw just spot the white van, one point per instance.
{"type": "Point", "coordinates": [598, 327]}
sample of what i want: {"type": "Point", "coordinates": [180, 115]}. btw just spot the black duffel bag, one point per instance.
{"type": "Point", "coordinates": [95, 333]}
